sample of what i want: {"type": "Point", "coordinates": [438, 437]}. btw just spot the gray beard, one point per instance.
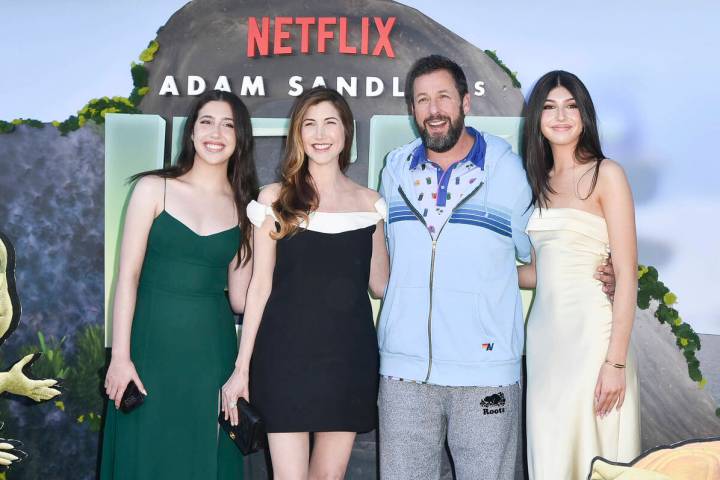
{"type": "Point", "coordinates": [443, 143]}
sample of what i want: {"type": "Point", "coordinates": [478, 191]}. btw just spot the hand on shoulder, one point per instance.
{"type": "Point", "coordinates": [269, 193]}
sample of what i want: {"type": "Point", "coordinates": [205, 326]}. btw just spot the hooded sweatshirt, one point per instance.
{"type": "Point", "coordinates": [452, 313]}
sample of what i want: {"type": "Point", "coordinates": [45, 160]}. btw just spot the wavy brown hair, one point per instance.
{"type": "Point", "coordinates": [298, 195]}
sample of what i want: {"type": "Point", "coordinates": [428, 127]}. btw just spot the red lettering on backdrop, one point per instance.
{"type": "Point", "coordinates": [323, 35]}
{"type": "Point", "coordinates": [258, 39]}
{"type": "Point", "coordinates": [384, 37]}
{"type": "Point", "coordinates": [344, 48]}
{"type": "Point", "coordinates": [280, 35]}
{"type": "Point", "coordinates": [305, 23]}
{"type": "Point", "coordinates": [365, 35]}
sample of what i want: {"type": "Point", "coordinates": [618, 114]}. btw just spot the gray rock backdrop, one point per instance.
{"type": "Point", "coordinates": [51, 207]}
{"type": "Point", "coordinates": [209, 37]}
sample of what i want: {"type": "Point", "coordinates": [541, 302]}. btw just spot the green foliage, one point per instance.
{"type": "Point", "coordinates": [139, 74]}
{"type": "Point", "coordinates": [651, 288]}
{"type": "Point", "coordinates": [92, 420]}
{"type": "Point", "coordinates": [69, 125]}
{"type": "Point", "coordinates": [96, 109]}
{"type": "Point", "coordinates": [513, 75]}
{"type": "Point", "coordinates": [6, 127]}
{"type": "Point", "coordinates": [140, 77]}
{"type": "Point", "coordinates": [51, 363]}
{"type": "Point", "coordinates": [83, 382]}
{"type": "Point", "coordinates": [148, 54]}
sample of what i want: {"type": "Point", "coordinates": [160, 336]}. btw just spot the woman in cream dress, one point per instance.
{"type": "Point", "coordinates": [582, 393]}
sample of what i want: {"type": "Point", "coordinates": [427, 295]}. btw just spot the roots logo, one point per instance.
{"type": "Point", "coordinates": [493, 404]}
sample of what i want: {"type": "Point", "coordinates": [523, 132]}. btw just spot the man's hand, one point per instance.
{"type": "Point", "coordinates": [606, 274]}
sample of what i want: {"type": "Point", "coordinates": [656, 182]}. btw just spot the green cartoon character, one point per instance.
{"type": "Point", "coordinates": [16, 380]}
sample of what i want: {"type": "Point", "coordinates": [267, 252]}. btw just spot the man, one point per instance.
{"type": "Point", "coordinates": [451, 329]}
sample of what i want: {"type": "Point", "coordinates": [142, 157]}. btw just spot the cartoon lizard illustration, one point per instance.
{"type": "Point", "coordinates": [16, 380]}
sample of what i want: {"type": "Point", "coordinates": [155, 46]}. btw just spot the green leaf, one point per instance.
{"type": "Point", "coordinates": [6, 127]}
{"type": "Point", "coordinates": [140, 75]}
{"type": "Point", "coordinates": [652, 273]}
{"type": "Point", "coordinates": [695, 374]}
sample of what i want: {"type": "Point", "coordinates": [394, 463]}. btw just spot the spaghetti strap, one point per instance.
{"type": "Point", "coordinates": [164, 191]}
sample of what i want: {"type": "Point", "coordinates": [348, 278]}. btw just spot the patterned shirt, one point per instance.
{"type": "Point", "coordinates": [438, 191]}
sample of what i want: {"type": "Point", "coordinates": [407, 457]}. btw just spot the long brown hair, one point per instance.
{"type": "Point", "coordinates": [298, 196]}
{"type": "Point", "coordinates": [537, 154]}
{"type": "Point", "coordinates": [241, 171]}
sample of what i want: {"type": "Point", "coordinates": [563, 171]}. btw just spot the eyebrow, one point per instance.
{"type": "Point", "coordinates": [562, 100]}
{"type": "Point", "coordinates": [311, 119]}
{"type": "Point", "coordinates": [210, 116]}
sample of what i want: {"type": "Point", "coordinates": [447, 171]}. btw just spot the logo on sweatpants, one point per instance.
{"type": "Point", "coordinates": [488, 346]}
{"type": "Point", "coordinates": [493, 404]}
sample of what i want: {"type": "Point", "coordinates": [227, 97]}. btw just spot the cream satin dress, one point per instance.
{"type": "Point", "coordinates": [568, 332]}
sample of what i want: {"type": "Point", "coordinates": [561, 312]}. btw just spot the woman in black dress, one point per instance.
{"type": "Point", "coordinates": [308, 346]}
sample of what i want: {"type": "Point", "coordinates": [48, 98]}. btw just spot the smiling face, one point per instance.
{"type": "Point", "coordinates": [322, 132]}
{"type": "Point", "coordinates": [560, 122]}
{"type": "Point", "coordinates": [214, 133]}
{"type": "Point", "coordinates": [439, 110]}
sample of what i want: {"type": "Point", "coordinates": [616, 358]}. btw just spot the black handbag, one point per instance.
{"type": "Point", "coordinates": [249, 434]}
{"type": "Point", "coordinates": [132, 398]}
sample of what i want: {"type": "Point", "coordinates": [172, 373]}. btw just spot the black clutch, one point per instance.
{"type": "Point", "coordinates": [132, 398]}
{"type": "Point", "coordinates": [249, 434]}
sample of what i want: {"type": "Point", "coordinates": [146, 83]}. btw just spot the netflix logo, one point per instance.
{"type": "Point", "coordinates": [292, 35]}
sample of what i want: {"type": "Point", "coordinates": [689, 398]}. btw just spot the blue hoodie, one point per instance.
{"type": "Point", "coordinates": [452, 313]}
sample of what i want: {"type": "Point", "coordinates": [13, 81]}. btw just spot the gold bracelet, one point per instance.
{"type": "Point", "coordinates": [616, 365]}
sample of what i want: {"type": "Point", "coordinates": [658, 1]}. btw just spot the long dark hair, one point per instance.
{"type": "Point", "coordinates": [298, 196]}
{"type": "Point", "coordinates": [536, 151]}
{"type": "Point", "coordinates": [241, 171]}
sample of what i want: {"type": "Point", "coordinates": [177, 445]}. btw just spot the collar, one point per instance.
{"type": "Point", "coordinates": [476, 154]}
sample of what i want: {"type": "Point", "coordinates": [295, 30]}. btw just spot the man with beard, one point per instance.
{"type": "Point", "coordinates": [451, 328]}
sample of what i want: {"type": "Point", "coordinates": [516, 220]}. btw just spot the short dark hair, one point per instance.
{"type": "Point", "coordinates": [430, 64]}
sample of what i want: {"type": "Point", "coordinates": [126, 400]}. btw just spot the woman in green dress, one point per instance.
{"type": "Point", "coordinates": [186, 238]}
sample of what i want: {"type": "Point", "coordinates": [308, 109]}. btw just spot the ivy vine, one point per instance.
{"type": "Point", "coordinates": [513, 75]}
{"type": "Point", "coordinates": [96, 109]}
{"type": "Point", "coordinates": [650, 288]}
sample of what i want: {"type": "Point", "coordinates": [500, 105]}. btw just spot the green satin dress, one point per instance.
{"type": "Point", "coordinates": [183, 346]}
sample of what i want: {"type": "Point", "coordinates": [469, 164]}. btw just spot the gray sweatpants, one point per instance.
{"type": "Point", "coordinates": [482, 426]}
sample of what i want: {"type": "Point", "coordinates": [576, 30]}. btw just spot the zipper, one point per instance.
{"type": "Point", "coordinates": [432, 260]}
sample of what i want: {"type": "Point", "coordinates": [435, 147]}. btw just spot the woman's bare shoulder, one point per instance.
{"type": "Point", "coordinates": [149, 189]}
{"type": "Point", "coordinates": [366, 196]}
{"type": "Point", "coordinates": [611, 173]}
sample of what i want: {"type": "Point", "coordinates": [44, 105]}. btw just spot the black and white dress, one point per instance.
{"type": "Point", "coordinates": [315, 362]}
